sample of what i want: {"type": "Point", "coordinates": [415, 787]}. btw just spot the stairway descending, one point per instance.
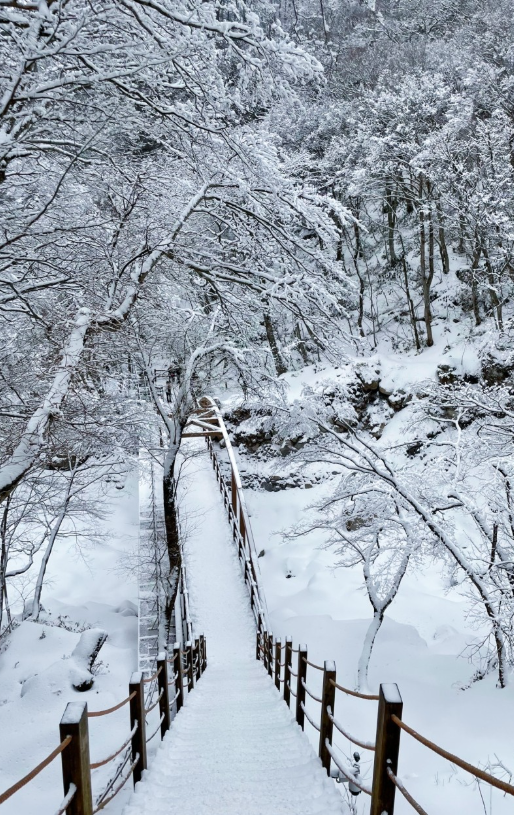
{"type": "Point", "coordinates": [234, 748]}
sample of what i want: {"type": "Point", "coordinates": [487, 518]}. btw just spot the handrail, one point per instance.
{"type": "Point", "coordinates": [354, 692]}
{"type": "Point", "coordinates": [92, 713]}
{"type": "Point", "coordinates": [366, 745]}
{"type": "Point", "coordinates": [315, 726]}
{"type": "Point", "coordinates": [470, 768]}
{"type": "Point", "coordinates": [306, 689]}
{"type": "Point", "coordinates": [312, 664]}
{"type": "Point", "coordinates": [66, 801]}
{"type": "Point", "coordinates": [41, 766]}
{"type": "Point", "coordinates": [345, 771]}
{"type": "Point", "coordinates": [406, 794]}
{"type": "Point", "coordinates": [107, 800]}
{"type": "Point", "coordinates": [106, 760]}
{"type": "Point", "coordinates": [208, 404]}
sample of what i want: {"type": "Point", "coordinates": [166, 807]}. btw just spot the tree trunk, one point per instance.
{"type": "Point", "coordinates": [272, 340]}
{"type": "Point", "coordinates": [443, 249]}
{"type": "Point", "coordinates": [369, 639]}
{"type": "Point", "coordinates": [426, 278]}
{"type": "Point", "coordinates": [391, 223]}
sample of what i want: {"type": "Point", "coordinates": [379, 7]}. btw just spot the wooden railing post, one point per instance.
{"type": "Point", "coordinates": [162, 687]}
{"type": "Point", "coordinates": [300, 690]}
{"type": "Point", "coordinates": [278, 662]}
{"type": "Point", "coordinates": [189, 662]}
{"type": "Point", "coordinates": [179, 675]}
{"type": "Point", "coordinates": [287, 670]}
{"type": "Point", "coordinates": [328, 697]}
{"type": "Point", "coordinates": [75, 758]}
{"type": "Point", "coordinates": [203, 661]}
{"type": "Point", "coordinates": [137, 714]}
{"type": "Point", "coordinates": [265, 650]}
{"type": "Point", "coordinates": [198, 659]}
{"type": "Point", "coordinates": [258, 645]}
{"type": "Point", "coordinates": [387, 746]}
{"type": "Point", "coordinates": [233, 491]}
{"type": "Point", "coordinates": [270, 655]}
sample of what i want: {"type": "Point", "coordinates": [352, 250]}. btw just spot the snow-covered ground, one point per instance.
{"type": "Point", "coordinates": [93, 585]}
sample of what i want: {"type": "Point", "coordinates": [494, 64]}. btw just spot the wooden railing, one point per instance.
{"type": "Point", "coordinates": [277, 657]}
{"type": "Point", "coordinates": [187, 666]}
{"type": "Point", "coordinates": [386, 746]}
{"type": "Point", "coordinates": [208, 423]}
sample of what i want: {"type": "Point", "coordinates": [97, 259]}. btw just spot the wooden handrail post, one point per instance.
{"type": "Point", "coordinates": [287, 670]}
{"type": "Point", "coordinates": [202, 654]}
{"type": "Point", "coordinates": [258, 646]}
{"type": "Point", "coordinates": [233, 488]}
{"type": "Point", "coordinates": [137, 714]}
{"type": "Point", "coordinates": [189, 659]}
{"type": "Point", "coordinates": [76, 767]}
{"type": "Point", "coordinates": [179, 675]}
{"type": "Point", "coordinates": [198, 659]}
{"type": "Point", "coordinates": [265, 649]}
{"type": "Point", "coordinates": [387, 746]}
{"type": "Point", "coordinates": [278, 661]}
{"type": "Point", "coordinates": [270, 655]}
{"type": "Point", "coordinates": [328, 697]}
{"type": "Point", "coordinates": [162, 687]}
{"type": "Point", "coordinates": [300, 690]}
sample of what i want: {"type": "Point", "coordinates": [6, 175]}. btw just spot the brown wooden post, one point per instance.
{"type": "Point", "coordinates": [75, 758]}
{"type": "Point", "coordinates": [189, 660]}
{"type": "Point", "coordinates": [198, 659]}
{"type": "Point", "coordinates": [300, 690]}
{"type": "Point", "coordinates": [233, 491]}
{"type": "Point", "coordinates": [265, 650]}
{"type": "Point", "coordinates": [137, 714]}
{"type": "Point", "coordinates": [278, 662]}
{"type": "Point", "coordinates": [179, 675]}
{"type": "Point", "coordinates": [287, 669]}
{"type": "Point", "coordinates": [258, 647]}
{"type": "Point", "coordinates": [387, 746]}
{"type": "Point", "coordinates": [162, 686]}
{"type": "Point", "coordinates": [328, 697]}
{"type": "Point", "coordinates": [202, 654]}
{"type": "Point", "coordinates": [270, 655]}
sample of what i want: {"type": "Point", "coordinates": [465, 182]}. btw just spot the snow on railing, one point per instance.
{"type": "Point", "coordinates": [208, 423]}
{"type": "Point", "coordinates": [389, 724]}
{"type": "Point", "coordinates": [187, 666]}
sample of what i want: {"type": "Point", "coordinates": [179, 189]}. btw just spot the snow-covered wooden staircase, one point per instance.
{"type": "Point", "coordinates": [234, 747]}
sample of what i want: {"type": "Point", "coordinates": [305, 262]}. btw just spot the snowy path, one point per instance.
{"type": "Point", "coordinates": [234, 747]}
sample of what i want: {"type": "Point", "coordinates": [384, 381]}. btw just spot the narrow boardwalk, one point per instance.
{"type": "Point", "coordinates": [234, 749]}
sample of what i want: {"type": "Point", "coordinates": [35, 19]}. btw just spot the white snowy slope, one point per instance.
{"type": "Point", "coordinates": [234, 747]}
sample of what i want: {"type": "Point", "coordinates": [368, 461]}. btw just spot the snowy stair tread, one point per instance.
{"type": "Point", "coordinates": [234, 748]}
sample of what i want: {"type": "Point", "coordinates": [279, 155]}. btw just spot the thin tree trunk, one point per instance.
{"type": "Point", "coordinates": [367, 647]}
{"type": "Point", "coordinates": [443, 249]}
{"type": "Point", "coordinates": [272, 340]}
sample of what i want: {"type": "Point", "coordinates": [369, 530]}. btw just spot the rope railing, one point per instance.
{"type": "Point", "coordinates": [66, 801]}
{"type": "Point", "coordinates": [406, 794]}
{"type": "Point", "coordinates": [151, 678]}
{"type": "Point", "coordinates": [32, 774]}
{"type": "Point", "coordinates": [312, 664]}
{"type": "Point", "coordinates": [119, 788]}
{"type": "Point", "coordinates": [156, 729]}
{"type": "Point", "coordinates": [91, 714]}
{"type": "Point", "coordinates": [309, 693]}
{"type": "Point", "coordinates": [355, 693]}
{"type": "Point", "coordinates": [315, 726]}
{"type": "Point", "coordinates": [149, 709]}
{"type": "Point", "coordinates": [348, 774]}
{"type": "Point", "coordinates": [366, 745]}
{"type": "Point", "coordinates": [125, 744]}
{"type": "Point", "coordinates": [235, 505]}
{"type": "Point", "coordinates": [459, 762]}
